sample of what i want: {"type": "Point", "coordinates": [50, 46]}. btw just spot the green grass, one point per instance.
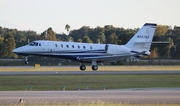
{"type": "Point", "coordinates": [71, 82]}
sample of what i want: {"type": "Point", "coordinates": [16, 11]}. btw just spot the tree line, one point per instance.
{"type": "Point", "coordinates": [12, 38]}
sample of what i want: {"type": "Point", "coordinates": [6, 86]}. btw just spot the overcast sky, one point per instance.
{"type": "Point", "coordinates": [39, 15]}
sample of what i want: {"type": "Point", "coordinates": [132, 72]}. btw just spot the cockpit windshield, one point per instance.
{"type": "Point", "coordinates": [35, 44]}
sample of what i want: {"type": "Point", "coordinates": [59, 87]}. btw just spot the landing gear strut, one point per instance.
{"type": "Point", "coordinates": [26, 60]}
{"type": "Point", "coordinates": [94, 65]}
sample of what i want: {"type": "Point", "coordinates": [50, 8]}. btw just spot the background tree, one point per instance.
{"type": "Point", "coordinates": [162, 49]}
{"type": "Point", "coordinates": [101, 37]}
{"type": "Point", "coordinates": [1, 49]}
{"type": "Point", "coordinates": [67, 27]}
{"type": "Point", "coordinates": [62, 37]}
{"type": "Point", "coordinates": [79, 40]}
{"type": "Point", "coordinates": [86, 39]}
{"type": "Point", "coordinates": [20, 36]}
{"type": "Point", "coordinates": [161, 30]}
{"type": "Point", "coordinates": [31, 36]}
{"type": "Point", "coordinates": [43, 35]}
{"type": "Point", "coordinates": [170, 45]}
{"type": "Point", "coordinates": [9, 45]}
{"type": "Point", "coordinates": [176, 39]}
{"type": "Point", "coordinates": [70, 39]}
{"type": "Point", "coordinates": [80, 33]}
{"type": "Point", "coordinates": [112, 39]}
{"type": "Point", "coordinates": [153, 54]}
{"type": "Point", "coordinates": [49, 34]}
{"type": "Point", "coordinates": [97, 35]}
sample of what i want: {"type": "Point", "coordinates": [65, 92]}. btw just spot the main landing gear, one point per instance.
{"type": "Point", "coordinates": [26, 60]}
{"type": "Point", "coordinates": [94, 66]}
{"type": "Point", "coordinates": [82, 67]}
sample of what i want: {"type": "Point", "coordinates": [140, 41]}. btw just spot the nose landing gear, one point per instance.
{"type": "Point", "coordinates": [26, 60]}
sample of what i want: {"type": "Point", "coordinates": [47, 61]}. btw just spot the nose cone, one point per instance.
{"type": "Point", "coordinates": [18, 50]}
{"type": "Point", "coordinates": [15, 50]}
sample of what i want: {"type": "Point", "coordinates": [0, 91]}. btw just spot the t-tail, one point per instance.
{"type": "Point", "coordinates": [142, 40]}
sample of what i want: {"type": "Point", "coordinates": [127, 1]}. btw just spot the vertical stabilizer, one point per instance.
{"type": "Point", "coordinates": [141, 41]}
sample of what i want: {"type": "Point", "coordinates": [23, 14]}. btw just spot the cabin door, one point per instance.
{"type": "Point", "coordinates": [50, 47]}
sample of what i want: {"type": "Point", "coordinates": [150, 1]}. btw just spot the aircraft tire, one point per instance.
{"type": "Point", "coordinates": [94, 67]}
{"type": "Point", "coordinates": [26, 62]}
{"type": "Point", "coordinates": [82, 67]}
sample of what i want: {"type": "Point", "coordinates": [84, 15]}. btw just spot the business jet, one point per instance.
{"type": "Point", "coordinates": [138, 46]}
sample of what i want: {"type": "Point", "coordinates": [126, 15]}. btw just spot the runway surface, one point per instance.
{"type": "Point", "coordinates": [147, 72]}
{"type": "Point", "coordinates": [136, 95]}
{"type": "Point", "coordinates": [130, 96]}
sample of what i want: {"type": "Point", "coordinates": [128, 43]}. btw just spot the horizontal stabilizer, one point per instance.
{"type": "Point", "coordinates": [154, 42]}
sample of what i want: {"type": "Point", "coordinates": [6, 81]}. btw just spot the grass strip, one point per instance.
{"type": "Point", "coordinates": [91, 103]}
{"type": "Point", "coordinates": [76, 68]}
{"type": "Point", "coordinates": [72, 82]}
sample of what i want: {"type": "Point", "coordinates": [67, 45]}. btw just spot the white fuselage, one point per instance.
{"type": "Point", "coordinates": [74, 50]}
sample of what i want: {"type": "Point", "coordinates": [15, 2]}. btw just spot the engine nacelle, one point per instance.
{"type": "Point", "coordinates": [147, 53]}
{"type": "Point", "coordinates": [117, 50]}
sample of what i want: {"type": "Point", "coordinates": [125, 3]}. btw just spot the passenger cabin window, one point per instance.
{"type": "Point", "coordinates": [78, 47]}
{"type": "Point", "coordinates": [62, 45]}
{"type": "Point", "coordinates": [67, 46]}
{"type": "Point", "coordinates": [90, 47]}
{"type": "Point", "coordinates": [72, 46]}
{"type": "Point", "coordinates": [56, 45]}
{"type": "Point", "coordinates": [84, 47]}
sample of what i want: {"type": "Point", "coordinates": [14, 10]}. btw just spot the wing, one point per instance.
{"type": "Point", "coordinates": [110, 57]}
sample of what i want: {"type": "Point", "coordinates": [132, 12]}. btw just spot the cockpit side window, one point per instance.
{"type": "Point", "coordinates": [31, 44]}
{"type": "Point", "coordinates": [35, 44]}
